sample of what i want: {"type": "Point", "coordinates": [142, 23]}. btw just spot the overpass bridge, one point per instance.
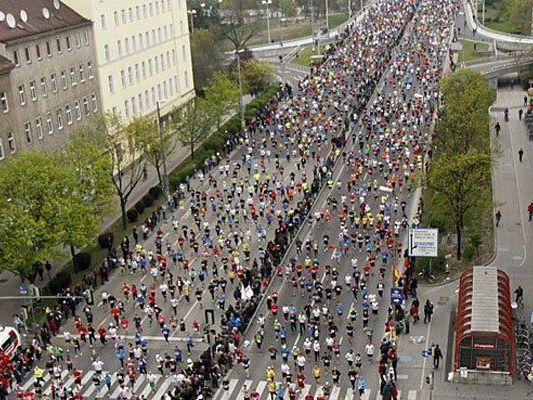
{"type": "Point", "coordinates": [492, 68]}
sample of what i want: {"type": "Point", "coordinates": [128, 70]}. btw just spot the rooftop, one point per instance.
{"type": "Point", "coordinates": [25, 18]}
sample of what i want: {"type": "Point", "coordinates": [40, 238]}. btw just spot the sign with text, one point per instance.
{"type": "Point", "coordinates": [396, 296]}
{"type": "Point", "coordinates": [423, 242]}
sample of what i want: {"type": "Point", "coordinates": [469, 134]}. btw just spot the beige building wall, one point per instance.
{"type": "Point", "coordinates": [142, 52]}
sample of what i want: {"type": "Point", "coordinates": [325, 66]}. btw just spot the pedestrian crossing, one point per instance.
{"type": "Point", "coordinates": [89, 390]}
{"type": "Point", "coordinates": [236, 389]}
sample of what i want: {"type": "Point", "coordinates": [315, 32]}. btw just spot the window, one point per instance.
{"type": "Point", "coordinates": [123, 77]}
{"type": "Point", "coordinates": [68, 112]}
{"type": "Point", "coordinates": [159, 37]}
{"type": "Point", "coordinates": [181, 27]}
{"type": "Point", "coordinates": [150, 68]}
{"type": "Point", "coordinates": [39, 128]}
{"type": "Point", "coordinates": [145, 14]}
{"type": "Point", "coordinates": [186, 79]}
{"type": "Point", "coordinates": [27, 54]}
{"type": "Point", "coordinates": [119, 48]}
{"type": "Point", "coordinates": [59, 116]}
{"type": "Point", "coordinates": [11, 143]}
{"type": "Point", "coordinates": [147, 37]}
{"type": "Point", "coordinates": [140, 98]}
{"type": "Point", "coordinates": [176, 83]}
{"type": "Point", "coordinates": [134, 44]}
{"type": "Point", "coordinates": [163, 6]}
{"type": "Point", "coordinates": [159, 93]}
{"type": "Point", "coordinates": [141, 44]}
{"type": "Point", "coordinates": [94, 102]}
{"type": "Point", "coordinates": [156, 64]}
{"type": "Point", "coordinates": [86, 37]}
{"type": "Point", "coordinates": [54, 83]}
{"type": "Point", "coordinates": [58, 45]}
{"type": "Point", "coordinates": [165, 90]}
{"type": "Point", "coordinates": [162, 62]}
{"type": "Point", "coordinates": [153, 95]}
{"type": "Point", "coordinates": [137, 73]}
{"type": "Point", "coordinates": [82, 73]}
{"type": "Point", "coordinates": [106, 52]}
{"type": "Point", "coordinates": [133, 105]}
{"type": "Point", "coordinates": [73, 77]}
{"type": "Point", "coordinates": [4, 106]}
{"type": "Point", "coordinates": [102, 21]}
{"type": "Point", "coordinates": [184, 53]}
{"type": "Point", "coordinates": [16, 57]}
{"type": "Point", "coordinates": [157, 8]}
{"type": "Point", "coordinates": [90, 70]}
{"type": "Point", "coordinates": [127, 45]}
{"type": "Point", "coordinates": [110, 82]}
{"type": "Point", "coordinates": [86, 106]}
{"type": "Point", "coordinates": [143, 67]}
{"type": "Point", "coordinates": [123, 13]}
{"type": "Point", "coordinates": [69, 45]}
{"type": "Point", "coordinates": [38, 52]}
{"type": "Point", "coordinates": [28, 132]}
{"type": "Point", "coordinates": [146, 99]}
{"type": "Point", "coordinates": [170, 87]}
{"type": "Point", "coordinates": [77, 109]}
{"type": "Point", "coordinates": [64, 82]}
{"type": "Point", "coordinates": [48, 49]}
{"type": "Point", "coordinates": [33, 91]}
{"type": "Point", "coordinates": [115, 17]}
{"type": "Point", "coordinates": [78, 40]}
{"type": "Point", "coordinates": [50, 124]}
{"type": "Point", "coordinates": [44, 89]}
{"type": "Point", "coordinates": [22, 95]}
{"type": "Point", "coordinates": [130, 75]}
{"type": "Point", "coordinates": [126, 108]}
{"type": "Point", "coordinates": [151, 8]}
{"type": "Point", "coordinates": [138, 12]}
{"type": "Point", "coordinates": [173, 57]}
{"type": "Point", "coordinates": [2, 155]}
{"type": "Point", "coordinates": [153, 37]}
{"type": "Point", "coordinates": [130, 14]}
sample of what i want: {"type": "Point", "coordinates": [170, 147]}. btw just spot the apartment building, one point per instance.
{"type": "Point", "coordinates": [142, 54]}
{"type": "Point", "coordinates": [48, 80]}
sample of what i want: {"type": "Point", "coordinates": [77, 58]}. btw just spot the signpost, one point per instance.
{"type": "Point", "coordinates": [423, 242]}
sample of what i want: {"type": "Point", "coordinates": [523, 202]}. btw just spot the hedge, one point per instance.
{"type": "Point", "coordinates": [155, 192]}
{"type": "Point", "coordinates": [148, 200]}
{"type": "Point", "coordinates": [81, 261]}
{"type": "Point", "coordinates": [139, 207]}
{"type": "Point", "coordinates": [61, 281]}
{"type": "Point", "coordinates": [132, 215]}
{"type": "Point", "coordinates": [105, 240]}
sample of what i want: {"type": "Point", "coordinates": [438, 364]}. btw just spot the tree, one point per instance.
{"type": "Point", "coordinates": [520, 13]}
{"type": "Point", "coordinates": [153, 149]}
{"type": "Point", "coordinates": [207, 56]}
{"type": "Point", "coordinates": [257, 75]}
{"type": "Point", "coordinates": [288, 8]}
{"type": "Point", "coordinates": [127, 162]}
{"type": "Point", "coordinates": [464, 119]}
{"type": "Point", "coordinates": [457, 180]}
{"type": "Point", "coordinates": [43, 206]}
{"type": "Point", "coordinates": [238, 34]}
{"type": "Point", "coordinates": [193, 123]}
{"type": "Point", "coordinates": [222, 95]}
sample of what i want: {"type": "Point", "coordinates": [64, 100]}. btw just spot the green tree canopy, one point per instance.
{"type": "Point", "coordinates": [207, 56]}
{"type": "Point", "coordinates": [193, 123]}
{"type": "Point", "coordinates": [257, 75]}
{"type": "Point", "coordinates": [222, 95]}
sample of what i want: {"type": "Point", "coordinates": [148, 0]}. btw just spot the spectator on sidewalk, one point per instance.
{"type": "Point", "coordinates": [498, 218]}
{"type": "Point", "coordinates": [530, 210]}
{"type": "Point", "coordinates": [520, 154]}
{"type": "Point", "coordinates": [437, 355]}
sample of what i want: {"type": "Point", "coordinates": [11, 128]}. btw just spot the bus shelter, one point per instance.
{"type": "Point", "coordinates": [484, 341]}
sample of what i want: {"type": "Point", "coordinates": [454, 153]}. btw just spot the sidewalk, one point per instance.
{"type": "Point", "coordinates": [9, 283]}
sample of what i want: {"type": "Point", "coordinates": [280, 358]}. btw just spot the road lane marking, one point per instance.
{"type": "Point", "coordinates": [148, 389]}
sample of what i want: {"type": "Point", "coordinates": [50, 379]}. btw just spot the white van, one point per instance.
{"type": "Point", "coordinates": [9, 340]}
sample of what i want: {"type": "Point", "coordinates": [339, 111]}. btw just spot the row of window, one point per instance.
{"type": "Point", "coordinates": [138, 104]}
{"type": "Point", "coordinates": [47, 48]}
{"type": "Point", "coordinates": [50, 122]}
{"type": "Point", "coordinates": [141, 71]}
{"type": "Point", "coordinates": [148, 9]}
{"type": "Point", "coordinates": [141, 41]}
{"type": "Point", "coordinates": [75, 75]}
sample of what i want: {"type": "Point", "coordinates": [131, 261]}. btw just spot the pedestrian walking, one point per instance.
{"type": "Point", "coordinates": [497, 128]}
{"type": "Point", "coordinates": [498, 218]}
{"type": "Point", "coordinates": [437, 355]}
{"type": "Point", "coordinates": [520, 154]}
{"type": "Point", "coordinates": [530, 210]}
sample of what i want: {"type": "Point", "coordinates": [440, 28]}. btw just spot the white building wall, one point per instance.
{"type": "Point", "coordinates": [143, 53]}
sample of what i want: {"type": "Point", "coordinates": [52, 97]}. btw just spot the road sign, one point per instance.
{"type": "Point", "coordinates": [425, 353]}
{"type": "Point", "coordinates": [423, 242]}
{"type": "Point", "coordinates": [396, 296]}
{"type": "Point", "coordinates": [23, 289]}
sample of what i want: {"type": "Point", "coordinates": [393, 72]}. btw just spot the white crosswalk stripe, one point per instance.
{"type": "Point", "coordinates": [117, 391]}
{"type": "Point", "coordinates": [305, 392]}
{"type": "Point", "coordinates": [103, 391]}
{"type": "Point", "coordinates": [260, 388]}
{"type": "Point", "coordinates": [148, 388]}
{"type": "Point", "coordinates": [162, 389]}
{"type": "Point", "coordinates": [63, 375]}
{"type": "Point", "coordinates": [335, 393]}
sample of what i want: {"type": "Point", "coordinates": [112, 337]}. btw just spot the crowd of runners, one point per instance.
{"type": "Point", "coordinates": [369, 105]}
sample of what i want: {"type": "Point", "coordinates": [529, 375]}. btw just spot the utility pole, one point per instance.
{"type": "Point", "coordinates": [349, 9]}
{"type": "Point", "coordinates": [483, 12]}
{"type": "Point", "coordinates": [164, 184]}
{"type": "Point", "coordinates": [241, 107]}
{"type": "Point", "coordinates": [327, 16]}
{"type": "Point", "coordinates": [361, 9]}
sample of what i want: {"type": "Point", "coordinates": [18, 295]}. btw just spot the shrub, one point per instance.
{"type": "Point", "coordinates": [180, 174]}
{"type": "Point", "coordinates": [81, 261]}
{"type": "Point", "coordinates": [155, 192]}
{"type": "Point", "coordinates": [148, 200]}
{"type": "Point", "coordinates": [105, 240]}
{"type": "Point", "coordinates": [438, 264]}
{"type": "Point", "coordinates": [61, 281]}
{"type": "Point", "coordinates": [132, 215]}
{"type": "Point", "coordinates": [233, 126]}
{"type": "Point", "coordinates": [140, 207]}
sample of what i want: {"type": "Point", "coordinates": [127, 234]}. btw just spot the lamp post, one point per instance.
{"type": "Point", "coordinates": [192, 13]}
{"type": "Point", "coordinates": [327, 16]}
{"type": "Point", "coordinates": [164, 182]}
{"type": "Point", "coordinates": [267, 3]}
{"type": "Point", "coordinates": [241, 105]}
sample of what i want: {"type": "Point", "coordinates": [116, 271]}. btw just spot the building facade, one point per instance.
{"type": "Point", "coordinates": [142, 52]}
{"type": "Point", "coordinates": [50, 86]}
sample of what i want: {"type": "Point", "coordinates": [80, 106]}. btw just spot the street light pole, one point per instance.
{"type": "Point", "coordinates": [327, 16]}
{"type": "Point", "coordinates": [241, 107]}
{"type": "Point", "coordinates": [164, 184]}
{"type": "Point", "coordinates": [192, 13]}
{"type": "Point", "coordinates": [483, 12]}
{"type": "Point", "coordinates": [267, 3]}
